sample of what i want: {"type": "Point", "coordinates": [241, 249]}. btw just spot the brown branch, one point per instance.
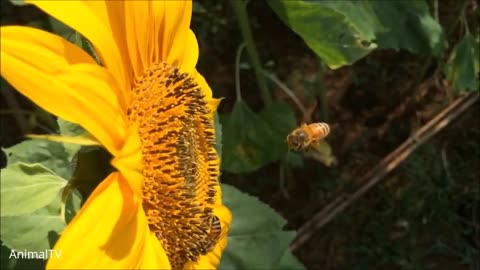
{"type": "Point", "coordinates": [389, 163]}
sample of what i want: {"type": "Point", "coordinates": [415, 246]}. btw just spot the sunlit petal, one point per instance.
{"type": "Point", "coordinates": [100, 23]}
{"type": "Point", "coordinates": [175, 36]}
{"type": "Point", "coordinates": [64, 80]}
{"type": "Point", "coordinates": [109, 232]}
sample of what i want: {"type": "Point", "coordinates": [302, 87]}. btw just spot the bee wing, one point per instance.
{"type": "Point", "coordinates": [322, 152]}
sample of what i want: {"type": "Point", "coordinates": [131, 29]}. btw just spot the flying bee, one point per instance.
{"type": "Point", "coordinates": [307, 136]}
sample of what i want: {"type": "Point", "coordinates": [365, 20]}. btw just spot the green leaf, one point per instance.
{"type": "Point", "coordinates": [243, 136]}
{"type": "Point", "coordinates": [50, 154]}
{"type": "Point", "coordinates": [70, 129]}
{"type": "Point", "coordinates": [410, 26]}
{"type": "Point", "coordinates": [218, 135]}
{"type": "Point", "coordinates": [28, 187]}
{"type": "Point", "coordinates": [280, 118]}
{"type": "Point", "coordinates": [250, 140]}
{"type": "Point", "coordinates": [462, 66]}
{"type": "Point", "coordinates": [61, 29]}
{"type": "Point", "coordinates": [36, 231]}
{"type": "Point", "coordinates": [73, 204]}
{"type": "Point", "coordinates": [340, 32]}
{"type": "Point", "coordinates": [256, 239]}
{"type": "Point", "coordinates": [19, 2]}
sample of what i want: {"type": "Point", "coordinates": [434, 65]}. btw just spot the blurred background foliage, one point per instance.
{"type": "Point", "coordinates": [376, 71]}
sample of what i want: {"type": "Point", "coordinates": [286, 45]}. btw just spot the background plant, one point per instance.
{"type": "Point", "coordinates": [375, 70]}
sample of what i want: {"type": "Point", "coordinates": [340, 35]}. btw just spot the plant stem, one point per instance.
{"type": "Point", "coordinates": [237, 71]}
{"type": "Point", "coordinates": [239, 7]}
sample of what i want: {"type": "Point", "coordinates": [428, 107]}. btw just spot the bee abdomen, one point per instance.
{"type": "Point", "coordinates": [321, 129]}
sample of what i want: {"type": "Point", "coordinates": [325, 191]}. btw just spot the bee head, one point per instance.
{"type": "Point", "coordinates": [296, 139]}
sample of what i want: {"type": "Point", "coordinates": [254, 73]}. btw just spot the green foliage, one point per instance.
{"type": "Point", "coordinates": [218, 135]}
{"type": "Point", "coordinates": [51, 155]}
{"type": "Point", "coordinates": [252, 140]}
{"type": "Point", "coordinates": [334, 30]}
{"type": "Point", "coordinates": [342, 32]}
{"type": "Point", "coordinates": [36, 231]}
{"type": "Point", "coordinates": [31, 184]}
{"type": "Point", "coordinates": [410, 26]}
{"type": "Point", "coordinates": [256, 239]}
{"type": "Point", "coordinates": [69, 129]}
{"type": "Point", "coordinates": [18, 2]}
{"type": "Point", "coordinates": [26, 188]}
{"type": "Point", "coordinates": [462, 68]}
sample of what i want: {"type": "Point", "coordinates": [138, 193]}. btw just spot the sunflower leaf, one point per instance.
{"type": "Point", "coordinates": [280, 118]}
{"type": "Point", "coordinates": [462, 67]}
{"type": "Point", "coordinates": [35, 231]}
{"type": "Point", "coordinates": [244, 134]}
{"type": "Point", "coordinates": [256, 232]}
{"type": "Point", "coordinates": [28, 187]}
{"type": "Point", "coordinates": [340, 32]}
{"type": "Point", "coordinates": [410, 26]}
{"type": "Point", "coordinates": [252, 140]}
{"type": "Point", "coordinates": [70, 129]}
{"type": "Point", "coordinates": [50, 154]}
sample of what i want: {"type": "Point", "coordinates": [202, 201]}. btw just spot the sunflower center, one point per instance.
{"type": "Point", "coordinates": [181, 166]}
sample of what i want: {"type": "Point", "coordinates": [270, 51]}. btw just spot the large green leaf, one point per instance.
{"type": "Point", "coordinates": [50, 154]}
{"type": "Point", "coordinates": [244, 134]}
{"type": "Point", "coordinates": [410, 26]}
{"type": "Point", "coordinates": [28, 187]}
{"type": "Point", "coordinates": [256, 239]}
{"type": "Point", "coordinates": [252, 140]}
{"type": "Point", "coordinates": [340, 32]}
{"type": "Point", "coordinates": [462, 67]}
{"type": "Point", "coordinates": [36, 231]}
{"type": "Point", "coordinates": [280, 118]}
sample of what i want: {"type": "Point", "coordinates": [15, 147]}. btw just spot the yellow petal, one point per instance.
{"type": "Point", "coordinates": [63, 80]}
{"type": "Point", "coordinates": [154, 255]}
{"type": "Point", "coordinates": [109, 232]}
{"type": "Point", "coordinates": [129, 160]}
{"type": "Point", "coordinates": [141, 32]}
{"type": "Point", "coordinates": [80, 140]}
{"type": "Point", "coordinates": [102, 24]}
{"type": "Point", "coordinates": [185, 60]}
{"type": "Point", "coordinates": [175, 38]}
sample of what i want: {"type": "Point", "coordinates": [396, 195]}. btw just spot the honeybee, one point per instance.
{"type": "Point", "coordinates": [307, 136]}
{"type": "Point", "coordinates": [216, 233]}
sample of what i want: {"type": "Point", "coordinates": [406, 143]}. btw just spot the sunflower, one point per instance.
{"type": "Point", "coordinates": [148, 106]}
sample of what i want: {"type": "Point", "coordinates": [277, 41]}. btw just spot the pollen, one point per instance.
{"type": "Point", "coordinates": [181, 166]}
